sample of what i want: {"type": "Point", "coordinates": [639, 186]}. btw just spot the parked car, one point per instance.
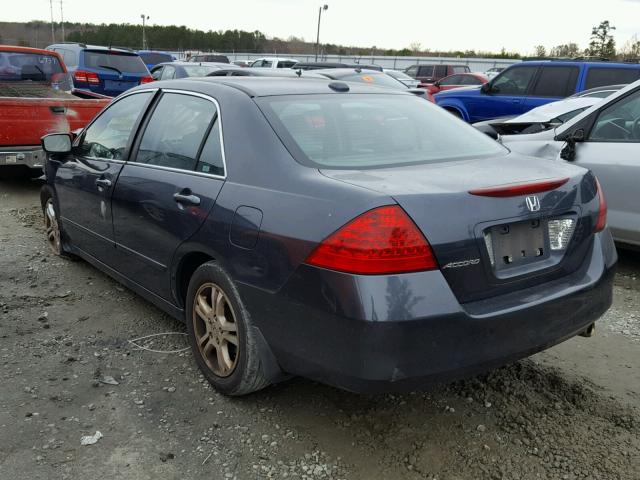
{"type": "Point", "coordinates": [325, 65]}
{"type": "Point", "coordinates": [402, 77]}
{"type": "Point", "coordinates": [274, 62]}
{"type": "Point", "coordinates": [550, 115]}
{"type": "Point", "coordinates": [104, 70]}
{"type": "Point", "coordinates": [429, 73]}
{"type": "Point", "coordinates": [351, 234]}
{"type": "Point", "coordinates": [456, 80]}
{"type": "Point", "coordinates": [492, 72]}
{"type": "Point", "coordinates": [209, 57]}
{"type": "Point", "coordinates": [168, 71]}
{"type": "Point", "coordinates": [370, 77]}
{"type": "Point", "coordinates": [605, 139]}
{"type": "Point", "coordinates": [151, 58]}
{"type": "Point", "coordinates": [527, 85]}
{"type": "Point", "coordinates": [36, 98]}
{"type": "Point", "coordinates": [263, 72]}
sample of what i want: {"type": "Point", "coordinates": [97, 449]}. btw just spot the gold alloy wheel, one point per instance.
{"type": "Point", "coordinates": [51, 227]}
{"type": "Point", "coordinates": [215, 329]}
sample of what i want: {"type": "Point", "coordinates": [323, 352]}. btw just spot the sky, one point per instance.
{"type": "Point", "coordinates": [469, 25]}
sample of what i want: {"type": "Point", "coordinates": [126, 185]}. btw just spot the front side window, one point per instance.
{"type": "Point", "coordinates": [176, 131]}
{"type": "Point", "coordinates": [372, 131]}
{"type": "Point", "coordinates": [156, 73]}
{"type": "Point", "coordinates": [619, 122]}
{"type": "Point", "coordinates": [461, 69]}
{"type": "Point", "coordinates": [286, 64]}
{"type": "Point", "coordinates": [412, 71]}
{"type": "Point", "coordinates": [514, 81]}
{"type": "Point", "coordinates": [108, 136]}
{"type": "Point", "coordinates": [168, 73]}
{"type": "Point", "coordinates": [426, 71]}
{"type": "Point", "coordinates": [452, 80]}
{"type": "Point", "coordinates": [471, 80]}
{"type": "Point", "coordinates": [556, 82]}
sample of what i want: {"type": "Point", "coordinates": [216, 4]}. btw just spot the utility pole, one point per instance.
{"type": "Point", "coordinates": [62, 20]}
{"type": "Point", "coordinates": [53, 32]}
{"type": "Point", "coordinates": [144, 38]}
{"type": "Point", "coordinates": [324, 7]}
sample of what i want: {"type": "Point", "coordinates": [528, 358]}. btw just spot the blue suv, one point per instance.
{"type": "Point", "coordinates": [105, 70]}
{"type": "Point", "coordinates": [527, 85]}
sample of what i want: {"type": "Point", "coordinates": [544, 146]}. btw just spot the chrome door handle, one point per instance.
{"type": "Point", "coordinates": [186, 199]}
{"type": "Point", "coordinates": [103, 183]}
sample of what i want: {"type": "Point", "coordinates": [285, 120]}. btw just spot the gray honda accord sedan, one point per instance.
{"type": "Point", "coordinates": [354, 235]}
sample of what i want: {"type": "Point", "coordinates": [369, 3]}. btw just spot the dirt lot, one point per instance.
{"type": "Point", "coordinates": [570, 413]}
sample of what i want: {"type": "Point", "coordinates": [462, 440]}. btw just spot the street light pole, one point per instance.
{"type": "Point", "coordinates": [144, 38]}
{"type": "Point", "coordinates": [324, 7]}
{"type": "Point", "coordinates": [62, 20]}
{"type": "Point", "coordinates": [53, 34]}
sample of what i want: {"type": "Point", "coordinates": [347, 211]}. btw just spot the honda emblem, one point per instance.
{"type": "Point", "coordinates": [533, 203]}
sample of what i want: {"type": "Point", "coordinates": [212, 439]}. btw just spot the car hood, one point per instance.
{"type": "Point", "coordinates": [548, 112]}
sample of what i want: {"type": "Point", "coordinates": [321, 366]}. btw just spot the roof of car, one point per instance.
{"type": "Point", "coordinates": [82, 46]}
{"type": "Point", "coordinates": [273, 86]}
{"type": "Point", "coordinates": [195, 64]}
{"type": "Point", "coordinates": [599, 63]}
{"type": "Point", "coordinates": [342, 72]}
{"type": "Point", "coordinates": [16, 49]}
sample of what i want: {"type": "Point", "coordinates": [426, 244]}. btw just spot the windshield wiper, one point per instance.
{"type": "Point", "coordinates": [111, 68]}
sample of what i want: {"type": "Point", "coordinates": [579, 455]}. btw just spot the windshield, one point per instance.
{"type": "Point", "coordinates": [199, 70]}
{"type": "Point", "coordinates": [122, 62]}
{"type": "Point", "coordinates": [29, 66]}
{"type": "Point", "coordinates": [372, 131]}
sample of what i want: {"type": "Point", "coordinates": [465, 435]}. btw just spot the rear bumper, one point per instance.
{"type": "Point", "coordinates": [404, 332]}
{"type": "Point", "coordinates": [32, 157]}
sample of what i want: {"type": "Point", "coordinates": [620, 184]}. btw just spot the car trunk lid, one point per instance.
{"type": "Point", "coordinates": [487, 245]}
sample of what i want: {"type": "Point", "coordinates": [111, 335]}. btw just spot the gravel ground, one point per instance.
{"type": "Point", "coordinates": [68, 369]}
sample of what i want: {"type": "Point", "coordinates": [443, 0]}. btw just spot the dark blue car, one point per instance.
{"type": "Point", "coordinates": [104, 70]}
{"type": "Point", "coordinates": [355, 235]}
{"type": "Point", "coordinates": [527, 85]}
{"type": "Point", "coordinates": [151, 58]}
{"type": "Point", "coordinates": [173, 70]}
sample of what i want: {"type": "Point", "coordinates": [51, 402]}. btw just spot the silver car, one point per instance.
{"type": "Point", "coordinates": [605, 139]}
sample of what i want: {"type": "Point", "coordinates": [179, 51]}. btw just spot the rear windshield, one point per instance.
{"type": "Point", "coordinates": [198, 70]}
{"type": "Point", "coordinates": [381, 80]}
{"type": "Point", "coordinates": [123, 62]}
{"type": "Point", "coordinates": [29, 66]}
{"type": "Point", "coordinates": [154, 58]}
{"type": "Point", "coordinates": [372, 131]}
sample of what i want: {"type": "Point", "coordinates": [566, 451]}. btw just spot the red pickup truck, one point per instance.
{"type": "Point", "coordinates": [36, 98]}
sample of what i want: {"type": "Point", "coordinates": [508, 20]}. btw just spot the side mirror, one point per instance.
{"type": "Point", "coordinates": [437, 84]}
{"type": "Point", "coordinates": [486, 88]}
{"type": "Point", "coordinates": [420, 92]}
{"type": "Point", "coordinates": [57, 143]}
{"type": "Point", "coordinates": [568, 152]}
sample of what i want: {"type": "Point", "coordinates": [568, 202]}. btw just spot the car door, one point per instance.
{"type": "Point", "coordinates": [168, 187]}
{"type": "Point", "coordinates": [553, 82]}
{"type": "Point", "coordinates": [612, 152]}
{"type": "Point", "coordinates": [84, 182]}
{"type": "Point", "coordinates": [504, 94]}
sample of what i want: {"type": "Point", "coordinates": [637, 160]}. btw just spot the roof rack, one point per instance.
{"type": "Point", "coordinates": [585, 58]}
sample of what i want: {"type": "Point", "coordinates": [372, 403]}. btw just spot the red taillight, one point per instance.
{"type": "Point", "coordinates": [146, 79]}
{"type": "Point", "coordinates": [602, 212]}
{"type": "Point", "coordinates": [381, 241]}
{"type": "Point", "coordinates": [80, 76]}
{"type": "Point", "coordinates": [517, 189]}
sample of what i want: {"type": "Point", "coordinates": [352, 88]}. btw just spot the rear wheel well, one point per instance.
{"type": "Point", "coordinates": [188, 266]}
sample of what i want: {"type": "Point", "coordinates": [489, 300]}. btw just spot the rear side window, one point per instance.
{"type": "Point", "coordinates": [372, 131]}
{"type": "Point", "coordinates": [603, 76]}
{"type": "Point", "coordinates": [176, 131]}
{"type": "Point", "coordinates": [441, 71]}
{"type": "Point", "coordinates": [211, 160]}
{"type": "Point", "coordinates": [452, 80]}
{"type": "Point", "coordinates": [123, 62]}
{"type": "Point", "coordinates": [556, 82]}
{"type": "Point", "coordinates": [286, 64]}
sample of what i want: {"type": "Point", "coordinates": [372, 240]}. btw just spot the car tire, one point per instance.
{"type": "Point", "coordinates": [53, 229]}
{"type": "Point", "coordinates": [221, 334]}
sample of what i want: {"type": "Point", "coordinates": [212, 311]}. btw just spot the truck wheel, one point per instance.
{"type": "Point", "coordinates": [221, 334]}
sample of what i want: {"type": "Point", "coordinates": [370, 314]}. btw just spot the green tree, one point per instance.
{"type": "Point", "coordinates": [602, 43]}
{"type": "Point", "coordinates": [540, 51]}
{"type": "Point", "coordinates": [568, 50]}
